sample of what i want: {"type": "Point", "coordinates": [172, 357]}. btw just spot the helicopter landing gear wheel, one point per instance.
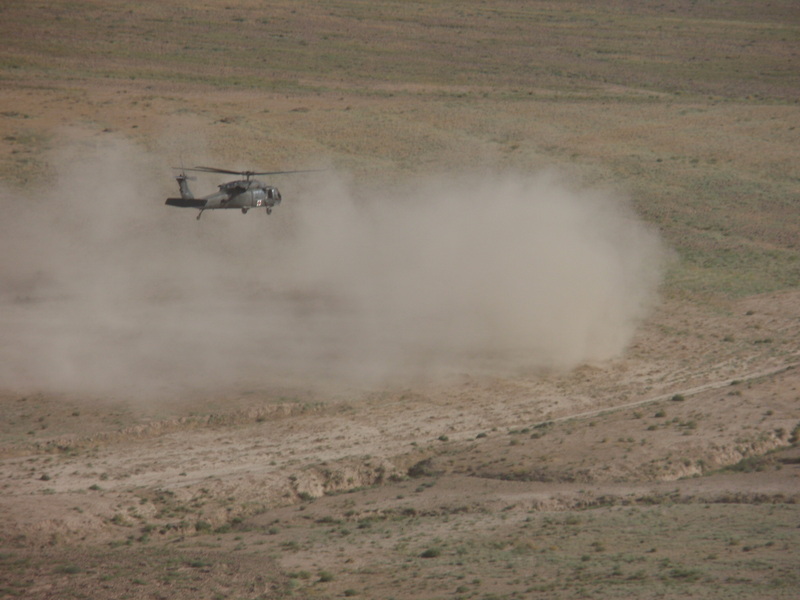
{"type": "Point", "coordinates": [269, 211]}
{"type": "Point", "coordinates": [244, 211]}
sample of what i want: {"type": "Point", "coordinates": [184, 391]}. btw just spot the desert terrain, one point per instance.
{"type": "Point", "coordinates": [532, 330]}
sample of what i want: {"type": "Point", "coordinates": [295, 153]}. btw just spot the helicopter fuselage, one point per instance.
{"type": "Point", "coordinates": [243, 195]}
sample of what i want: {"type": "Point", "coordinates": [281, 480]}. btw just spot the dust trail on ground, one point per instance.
{"type": "Point", "coordinates": [107, 291]}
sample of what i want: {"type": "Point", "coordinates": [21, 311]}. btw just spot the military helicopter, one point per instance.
{"type": "Point", "coordinates": [243, 194]}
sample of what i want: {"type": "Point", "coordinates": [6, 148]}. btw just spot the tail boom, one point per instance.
{"type": "Point", "coordinates": [186, 202]}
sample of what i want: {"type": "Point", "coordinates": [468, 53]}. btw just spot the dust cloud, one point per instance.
{"type": "Point", "coordinates": [106, 291]}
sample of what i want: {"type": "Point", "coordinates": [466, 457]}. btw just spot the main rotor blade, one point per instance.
{"type": "Point", "coordinates": [215, 170]}
{"type": "Point", "coordinates": [288, 172]}
{"type": "Point", "coordinates": [250, 173]}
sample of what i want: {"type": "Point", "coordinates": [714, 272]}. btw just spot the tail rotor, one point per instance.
{"type": "Point", "coordinates": [182, 178]}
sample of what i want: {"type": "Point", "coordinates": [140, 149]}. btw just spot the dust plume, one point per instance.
{"type": "Point", "coordinates": [107, 291]}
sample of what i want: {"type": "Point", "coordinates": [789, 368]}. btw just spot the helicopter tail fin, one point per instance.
{"type": "Point", "coordinates": [187, 199]}
{"type": "Point", "coordinates": [186, 193]}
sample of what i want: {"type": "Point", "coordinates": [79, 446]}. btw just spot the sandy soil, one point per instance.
{"type": "Point", "coordinates": [193, 464]}
{"type": "Point", "coordinates": [636, 432]}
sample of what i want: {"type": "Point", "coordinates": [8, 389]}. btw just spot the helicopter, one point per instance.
{"type": "Point", "coordinates": [243, 194]}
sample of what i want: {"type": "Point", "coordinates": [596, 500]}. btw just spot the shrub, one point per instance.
{"type": "Point", "coordinates": [69, 569]}
{"type": "Point", "coordinates": [795, 436]}
{"type": "Point", "coordinates": [202, 526]}
{"type": "Point", "coordinates": [300, 575]}
{"type": "Point", "coordinates": [198, 563]}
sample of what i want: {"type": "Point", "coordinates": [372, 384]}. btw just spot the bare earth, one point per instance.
{"type": "Point", "coordinates": [668, 468]}
{"type": "Point", "coordinates": [259, 494]}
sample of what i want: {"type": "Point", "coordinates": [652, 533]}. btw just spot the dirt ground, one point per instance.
{"type": "Point", "coordinates": [595, 481]}
{"type": "Point", "coordinates": [665, 467]}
